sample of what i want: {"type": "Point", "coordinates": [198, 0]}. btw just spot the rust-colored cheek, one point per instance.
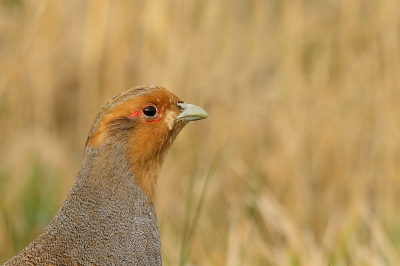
{"type": "Point", "coordinates": [145, 154]}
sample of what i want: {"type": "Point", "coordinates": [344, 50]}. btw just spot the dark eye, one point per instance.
{"type": "Point", "coordinates": [150, 111]}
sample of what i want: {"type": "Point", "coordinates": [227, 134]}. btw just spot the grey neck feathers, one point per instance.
{"type": "Point", "coordinates": [105, 220]}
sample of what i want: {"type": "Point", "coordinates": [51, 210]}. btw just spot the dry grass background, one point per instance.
{"type": "Point", "coordinates": [307, 93]}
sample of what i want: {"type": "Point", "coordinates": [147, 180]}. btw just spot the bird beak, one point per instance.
{"type": "Point", "coordinates": [191, 112]}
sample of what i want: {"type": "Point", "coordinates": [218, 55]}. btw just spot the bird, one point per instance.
{"type": "Point", "coordinates": [109, 215]}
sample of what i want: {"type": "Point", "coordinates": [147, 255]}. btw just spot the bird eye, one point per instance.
{"type": "Point", "coordinates": [150, 111]}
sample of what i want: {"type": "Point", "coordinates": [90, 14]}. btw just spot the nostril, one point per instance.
{"type": "Point", "coordinates": [181, 105]}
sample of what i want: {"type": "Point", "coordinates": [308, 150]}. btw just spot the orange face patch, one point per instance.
{"type": "Point", "coordinates": [150, 138]}
{"type": "Point", "coordinates": [162, 99]}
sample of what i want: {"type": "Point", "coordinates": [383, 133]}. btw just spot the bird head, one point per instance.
{"type": "Point", "coordinates": [142, 123]}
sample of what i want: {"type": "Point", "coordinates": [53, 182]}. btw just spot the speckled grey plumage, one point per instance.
{"type": "Point", "coordinates": [126, 230]}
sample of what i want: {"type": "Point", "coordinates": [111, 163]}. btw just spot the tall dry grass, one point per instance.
{"type": "Point", "coordinates": [307, 93]}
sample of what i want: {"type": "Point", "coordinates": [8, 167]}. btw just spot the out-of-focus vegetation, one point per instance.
{"type": "Point", "coordinates": [307, 93]}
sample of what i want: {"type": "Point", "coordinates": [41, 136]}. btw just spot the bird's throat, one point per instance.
{"type": "Point", "coordinates": [113, 176]}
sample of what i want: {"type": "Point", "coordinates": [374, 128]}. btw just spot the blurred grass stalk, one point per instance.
{"type": "Point", "coordinates": [191, 225]}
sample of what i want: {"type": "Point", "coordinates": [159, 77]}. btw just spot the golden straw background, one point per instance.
{"type": "Point", "coordinates": [299, 162]}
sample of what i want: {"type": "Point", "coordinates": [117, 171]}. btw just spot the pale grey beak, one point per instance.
{"type": "Point", "coordinates": [190, 112]}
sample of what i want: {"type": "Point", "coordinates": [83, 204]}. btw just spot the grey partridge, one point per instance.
{"type": "Point", "coordinates": [109, 216]}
